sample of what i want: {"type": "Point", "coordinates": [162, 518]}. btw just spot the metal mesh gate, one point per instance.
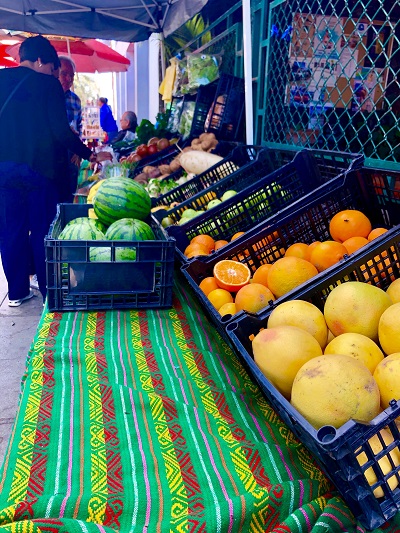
{"type": "Point", "coordinates": [328, 75]}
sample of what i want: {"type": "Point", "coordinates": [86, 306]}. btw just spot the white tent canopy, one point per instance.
{"type": "Point", "coordinates": [120, 20]}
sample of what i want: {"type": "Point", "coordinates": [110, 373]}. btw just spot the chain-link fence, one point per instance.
{"type": "Point", "coordinates": [329, 76]}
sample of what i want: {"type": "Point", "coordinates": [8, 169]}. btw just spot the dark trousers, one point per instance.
{"type": "Point", "coordinates": [28, 203]}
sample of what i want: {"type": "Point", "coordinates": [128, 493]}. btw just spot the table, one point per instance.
{"type": "Point", "coordinates": [146, 421]}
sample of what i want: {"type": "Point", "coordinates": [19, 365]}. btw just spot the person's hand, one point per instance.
{"type": "Point", "coordinates": [76, 160]}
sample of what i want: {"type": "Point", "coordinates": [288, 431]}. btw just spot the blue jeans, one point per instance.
{"type": "Point", "coordinates": [28, 203]}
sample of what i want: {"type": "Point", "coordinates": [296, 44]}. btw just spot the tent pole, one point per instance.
{"type": "Point", "coordinates": [248, 82]}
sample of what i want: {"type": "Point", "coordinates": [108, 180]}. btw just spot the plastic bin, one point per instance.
{"type": "Point", "coordinates": [304, 221]}
{"type": "Point", "coordinates": [302, 173]}
{"type": "Point", "coordinates": [227, 111]}
{"type": "Point", "coordinates": [74, 283]}
{"type": "Point", "coordinates": [236, 165]}
{"type": "Point", "coordinates": [336, 450]}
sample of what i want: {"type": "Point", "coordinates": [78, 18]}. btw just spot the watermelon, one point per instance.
{"type": "Point", "coordinates": [129, 229]}
{"type": "Point", "coordinates": [102, 254]}
{"type": "Point", "coordinates": [82, 220]}
{"type": "Point", "coordinates": [121, 197]}
{"type": "Point", "coordinates": [82, 229]}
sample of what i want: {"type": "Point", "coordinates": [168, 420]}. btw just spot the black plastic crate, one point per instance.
{"type": "Point", "coordinates": [227, 112]}
{"type": "Point", "coordinates": [306, 220]}
{"type": "Point", "coordinates": [74, 283]}
{"type": "Point", "coordinates": [336, 450]}
{"type": "Point", "coordinates": [235, 165]}
{"type": "Point", "coordinates": [163, 157]}
{"type": "Point", "coordinates": [277, 180]}
{"type": "Point", "coordinates": [204, 100]}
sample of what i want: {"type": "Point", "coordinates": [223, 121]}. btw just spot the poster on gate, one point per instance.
{"type": "Point", "coordinates": [328, 32]}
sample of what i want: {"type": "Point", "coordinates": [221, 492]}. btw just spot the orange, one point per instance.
{"type": "Point", "coordinates": [195, 247]}
{"type": "Point", "coordinates": [261, 275]}
{"type": "Point", "coordinates": [253, 298]}
{"type": "Point", "coordinates": [326, 254]}
{"type": "Point", "coordinates": [288, 273]}
{"type": "Point", "coordinates": [196, 253]}
{"type": "Point", "coordinates": [208, 284]}
{"type": "Point", "coordinates": [349, 223]}
{"type": "Point", "coordinates": [376, 233]}
{"type": "Point", "coordinates": [236, 235]}
{"type": "Point", "coordinates": [228, 309]}
{"type": "Point", "coordinates": [231, 275]}
{"type": "Point", "coordinates": [205, 240]}
{"type": "Point", "coordinates": [219, 297]}
{"type": "Point", "coordinates": [355, 243]}
{"type": "Point", "coordinates": [219, 244]}
{"type": "Point", "coordinates": [272, 237]}
{"type": "Point", "coordinates": [300, 249]}
{"type": "Point", "coordinates": [312, 246]}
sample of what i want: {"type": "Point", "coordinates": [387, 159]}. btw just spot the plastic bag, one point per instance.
{"type": "Point", "coordinates": [181, 77]}
{"type": "Point", "coordinates": [202, 69]}
{"type": "Point", "coordinates": [187, 115]}
{"type": "Point", "coordinates": [175, 116]}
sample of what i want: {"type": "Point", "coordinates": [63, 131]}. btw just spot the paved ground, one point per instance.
{"type": "Point", "coordinates": [17, 330]}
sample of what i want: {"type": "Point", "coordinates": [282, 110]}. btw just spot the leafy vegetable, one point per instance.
{"type": "Point", "coordinates": [187, 115]}
{"type": "Point", "coordinates": [145, 131]}
{"type": "Point", "coordinates": [202, 69]}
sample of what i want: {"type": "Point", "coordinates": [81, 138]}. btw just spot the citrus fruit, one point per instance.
{"type": "Point", "coordinates": [194, 247]}
{"type": "Point", "coordinates": [196, 253]}
{"type": "Point", "coordinates": [303, 315]}
{"type": "Point", "coordinates": [326, 254]}
{"type": "Point", "coordinates": [219, 297]}
{"type": "Point", "coordinates": [394, 291]}
{"type": "Point", "coordinates": [236, 235]}
{"type": "Point", "coordinates": [349, 223]}
{"type": "Point", "coordinates": [354, 243]}
{"type": "Point", "coordinates": [287, 273]}
{"type": "Point", "coordinates": [219, 244]}
{"type": "Point", "coordinates": [300, 249]}
{"type": "Point", "coordinates": [332, 389]}
{"type": "Point", "coordinates": [205, 240]}
{"type": "Point", "coordinates": [355, 307]}
{"type": "Point", "coordinates": [261, 274]}
{"type": "Point", "coordinates": [253, 298]}
{"type": "Point", "coordinates": [387, 375]}
{"type": "Point", "coordinates": [227, 309]}
{"type": "Point", "coordinates": [208, 284]}
{"type": "Point", "coordinates": [280, 352]}
{"type": "Point", "coordinates": [384, 462]}
{"type": "Point", "coordinates": [389, 329]}
{"type": "Point", "coordinates": [231, 275]}
{"type": "Point", "coordinates": [312, 246]}
{"type": "Point", "coordinates": [377, 232]}
{"type": "Point", "coordinates": [358, 346]}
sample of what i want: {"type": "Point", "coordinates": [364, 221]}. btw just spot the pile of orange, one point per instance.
{"type": "Point", "coordinates": [204, 244]}
{"type": "Point", "coordinates": [233, 287]}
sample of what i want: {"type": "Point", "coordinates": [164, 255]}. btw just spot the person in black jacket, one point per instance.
{"type": "Point", "coordinates": [34, 123]}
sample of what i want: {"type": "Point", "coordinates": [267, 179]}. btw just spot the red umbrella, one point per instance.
{"type": "Point", "coordinates": [88, 55]}
{"type": "Point", "coordinates": [5, 60]}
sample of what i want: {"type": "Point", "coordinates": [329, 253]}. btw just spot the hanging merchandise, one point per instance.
{"type": "Point", "coordinates": [186, 119]}
{"type": "Point", "coordinates": [167, 85]}
{"type": "Point", "coordinates": [181, 77]}
{"type": "Point", "coordinates": [202, 69]}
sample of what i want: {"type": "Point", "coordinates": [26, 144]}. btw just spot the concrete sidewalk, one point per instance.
{"type": "Point", "coordinates": [17, 329]}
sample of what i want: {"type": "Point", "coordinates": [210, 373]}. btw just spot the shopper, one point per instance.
{"type": "Point", "coordinates": [107, 120]}
{"type": "Point", "coordinates": [74, 114]}
{"type": "Point", "coordinates": [32, 112]}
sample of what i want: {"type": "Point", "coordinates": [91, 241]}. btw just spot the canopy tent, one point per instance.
{"type": "Point", "coordinates": [125, 20]}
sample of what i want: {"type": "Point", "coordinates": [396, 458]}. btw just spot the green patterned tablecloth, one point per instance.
{"type": "Point", "coordinates": [145, 421]}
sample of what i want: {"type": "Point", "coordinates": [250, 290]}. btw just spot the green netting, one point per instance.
{"type": "Point", "coordinates": [329, 75]}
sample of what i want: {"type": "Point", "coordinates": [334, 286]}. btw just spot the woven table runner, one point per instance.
{"type": "Point", "coordinates": [145, 421]}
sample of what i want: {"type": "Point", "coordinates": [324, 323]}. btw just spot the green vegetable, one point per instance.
{"type": "Point", "coordinates": [145, 131]}
{"type": "Point", "coordinates": [202, 69]}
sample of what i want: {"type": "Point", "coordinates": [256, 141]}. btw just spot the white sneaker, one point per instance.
{"type": "Point", "coordinates": [34, 282]}
{"type": "Point", "coordinates": [17, 303]}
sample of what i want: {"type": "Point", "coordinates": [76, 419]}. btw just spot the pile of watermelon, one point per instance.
{"type": "Point", "coordinates": [121, 206]}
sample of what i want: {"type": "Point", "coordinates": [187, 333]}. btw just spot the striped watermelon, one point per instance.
{"type": "Point", "coordinates": [101, 254]}
{"type": "Point", "coordinates": [129, 229]}
{"type": "Point", "coordinates": [82, 229]}
{"type": "Point", "coordinates": [121, 197]}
